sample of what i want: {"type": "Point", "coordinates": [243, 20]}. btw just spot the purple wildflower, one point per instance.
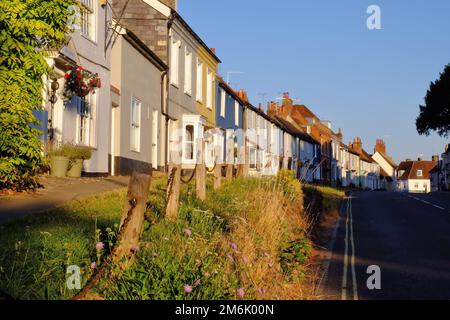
{"type": "Point", "coordinates": [135, 248]}
{"type": "Point", "coordinates": [187, 288]}
{"type": "Point", "coordinates": [262, 290]}
{"type": "Point", "coordinates": [245, 259]}
{"type": "Point", "coordinates": [241, 292]}
{"type": "Point", "coordinates": [233, 246]}
{"type": "Point", "coordinates": [187, 232]}
{"type": "Point", "coordinates": [99, 246]}
{"type": "Point", "coordinates": [94, 265]}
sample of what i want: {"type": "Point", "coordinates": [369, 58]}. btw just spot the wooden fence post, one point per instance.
{"type": "Point", "coordinates": [173, 191]}
{"type": "Point", "coordinates": [200, 172]}
{"type": "Point", "coordinates": [229, 174]}
{"type": "Point", "coordinates": [217, 176]}
{"type": "Point", "coordinates": [132, 220]}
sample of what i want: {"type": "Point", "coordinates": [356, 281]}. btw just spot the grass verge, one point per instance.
{"type": "Point", "coordinates": [248, 240]}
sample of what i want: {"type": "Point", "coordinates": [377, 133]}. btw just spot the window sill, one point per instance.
{"type": "Point", "coordinates": [174, 85]}
{"type": "Point", "coordinates": [189, 94]}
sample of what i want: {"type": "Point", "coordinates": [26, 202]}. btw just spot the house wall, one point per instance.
{"type": "Point", "coordinates": [419, 185]}
{"type": "Point", "coordinates": [92, 56]}
{"type": "Point", "coordinates": [227, 122]}
{"type": "Point", "coordinates": [135, 76]}
{"type": "Point", "coordinates": [384, 164]}
{"type": "Point", "coordinates": [208, 63]}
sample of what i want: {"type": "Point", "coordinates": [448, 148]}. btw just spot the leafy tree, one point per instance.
{"type": "Point", "coordinates": [435, 115]}
{"type": "Point", "coordinates": [28, 28]}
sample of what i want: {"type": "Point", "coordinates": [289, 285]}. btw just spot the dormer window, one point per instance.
{"type": "Point", "coordinates": [419, 173]}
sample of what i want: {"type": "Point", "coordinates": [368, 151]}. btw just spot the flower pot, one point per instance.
{"type": "Point", "coordinates": [58, 166]}
{"type": "Point", "coordinates": [75, 168]}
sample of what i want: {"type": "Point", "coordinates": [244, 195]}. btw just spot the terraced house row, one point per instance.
{"type": "Point", "coordinates": [161, 97]}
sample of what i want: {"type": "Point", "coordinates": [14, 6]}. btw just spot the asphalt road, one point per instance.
{"type": "Point", "coordinates": [406, 235]}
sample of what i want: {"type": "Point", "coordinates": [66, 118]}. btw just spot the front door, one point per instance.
{"type": "Point", "coordinates": [155, 130]}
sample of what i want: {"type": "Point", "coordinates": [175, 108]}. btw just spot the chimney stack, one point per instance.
{"type": "Point", "coordinates": [357, 145]}
{"type": "Point", "coordinates": [435, 158]}
{"type": "Point", "coordinates": [380, 146]}
{"type": "Point", "coordinates": [213, 50]}
{"type": "Point", "coordinates": [242, 94]}
{"type": "Point", "coordinates": [339, 135]}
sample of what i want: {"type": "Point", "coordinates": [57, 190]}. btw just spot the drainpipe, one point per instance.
{"type": "Point", "coordinates": [166, 77]}
{"type": "Point", "coordinates": [164, 105]}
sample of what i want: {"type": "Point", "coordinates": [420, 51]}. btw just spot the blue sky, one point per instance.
{"type": "Point", "coordinates": [369, 83]}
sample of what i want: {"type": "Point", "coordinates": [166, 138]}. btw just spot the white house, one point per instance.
{"type": "Point", "coordinates": [84, 120]}
{"type": "Point", "coordinates": [387, 165]}
{"type": "Point", "coordinates": [414, 176]}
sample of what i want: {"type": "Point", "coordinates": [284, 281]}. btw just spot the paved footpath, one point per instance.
{"type": "Point", "coordinates": [56, 191]}
{"type": "Point", "coordinates": [406, 235]}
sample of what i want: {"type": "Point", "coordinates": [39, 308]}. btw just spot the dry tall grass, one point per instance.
{"type": "Point", "coordinates": [273, 220]}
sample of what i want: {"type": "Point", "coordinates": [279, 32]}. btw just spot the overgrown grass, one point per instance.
{"type": "Point", "coordinates": [249, 239]}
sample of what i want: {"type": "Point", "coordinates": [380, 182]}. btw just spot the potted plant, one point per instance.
{"type": "Point", "coordinates": [80, 82]}
{"type": "Point", "coordinates": [59, 160]}
{"type": "Point", "coordinates": [77, 155]}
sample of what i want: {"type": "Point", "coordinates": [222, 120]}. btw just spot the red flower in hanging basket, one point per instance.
{"type": "Point", "coordinates": [80, 82]}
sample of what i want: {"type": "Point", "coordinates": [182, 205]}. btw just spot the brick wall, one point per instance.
{"type": "Point", "coordinates": [145, 22]}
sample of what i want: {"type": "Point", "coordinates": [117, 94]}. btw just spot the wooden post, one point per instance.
{"type": "Point", "coordinates": [246, 166]}
{"type": "Point", "coordinates": [132, 221]}
{"type": "Point", "coordinates": [173, 191]}
{"type": "Point", "coordinates": [217, 176]}
{"type": "Point", "coordinates": [229, 174]}
{"type": "Point", "coordinates": [200, 172]}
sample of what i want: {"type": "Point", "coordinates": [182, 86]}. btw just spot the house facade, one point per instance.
{"type": "Point", "coordinates": [414, 176]}
{"type": "Point", "coordinates": [387, 166]}
{"type": "Point", "coordinates": [84, 120]}
{"type": "Point", "coordinates": [137, 97]}
{"type": "Point", "coordinates": [229, 120]}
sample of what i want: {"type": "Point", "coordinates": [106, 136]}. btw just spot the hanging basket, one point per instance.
{"type": "Point", "coordinates": [80, 82]}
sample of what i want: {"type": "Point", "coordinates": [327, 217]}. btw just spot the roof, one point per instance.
{"type": "Point", "coordinates": [195, 35]}
{"type": "Point", "coordinates": [366, 157]}
{"type": "Point", "coordinates": [289, 127]}
{"type": "Point", "coordinates": [144, 49]}
{"type": "Point", "coordinates": [410, 169]}
{"type": "Point", "coordinates": [230, 90]}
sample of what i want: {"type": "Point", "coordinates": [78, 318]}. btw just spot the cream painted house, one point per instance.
{"type": "Point", "coordinates": [137, 94]}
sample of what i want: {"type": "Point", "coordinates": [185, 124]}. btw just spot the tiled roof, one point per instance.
{"type": "Point", "coordinates": [410, 169]}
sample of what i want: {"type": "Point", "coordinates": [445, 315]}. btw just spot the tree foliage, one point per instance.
{"type": "Point", "coordinates": [435, 114]}
{"type": "Point", "coordinates": [27, 29]}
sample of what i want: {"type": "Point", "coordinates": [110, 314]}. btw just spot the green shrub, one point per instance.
{"type": "Point", "coordinates": [28, 29]}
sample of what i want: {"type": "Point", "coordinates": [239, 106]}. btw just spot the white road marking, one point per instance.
{"type": "Point", "coordinates": [349, 238]}
{"type": "Point", "coordinates": [344, 274]}
{"type": "Point", "coordinates": [355, 286]}
{"type": "Point", "coordinates": [426, 202]}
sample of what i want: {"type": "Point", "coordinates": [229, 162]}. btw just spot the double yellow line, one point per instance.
{"type": "Point", "coordinates": [349, 240]}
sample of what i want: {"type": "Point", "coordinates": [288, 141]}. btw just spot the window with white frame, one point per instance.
{"type": "Point", "coordinates": [135, 124]}
{"type": "Point", "coordinates": [88, 27]}
{"type": "Point", "coordinates": [209, 88]}
{"type": "Point", "coordinates": [236, 113]}
{"type": "Point", "coordinates": [199, 80]}
{"type": "Point", "coordinates": [86, 120]}
{"type": "Point", "coordinates": [189, 142]}
{"type": "Point", "coordinates": [174, 61]}
{"type": "Point", "coordinates": [419, 173]}
{"type": "Point", "coordinates": [253, 155]}
{"type": "Point", "coordinates": [188, 71]}
{"type": "Point", "coordinates": [222, 103]}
